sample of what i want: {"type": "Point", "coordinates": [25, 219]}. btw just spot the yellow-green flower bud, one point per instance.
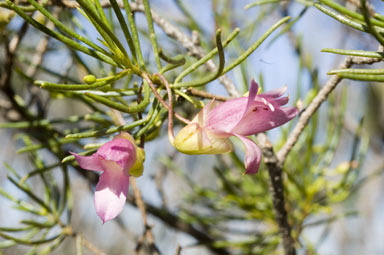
{"type": "Point", "coordinates": [89, 79]}
{"type": "Point", "coordinates": [193, 139]}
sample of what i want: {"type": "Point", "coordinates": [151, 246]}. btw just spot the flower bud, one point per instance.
{"type": "Point", "coordinates": [193, 139]}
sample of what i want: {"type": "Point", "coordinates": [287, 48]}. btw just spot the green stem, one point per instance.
{"type": "Point", "coordinates": [108, 131]}
{"type": "Point", "coordinates": [260, 2]}
{"type": "Point", "coordinates": [367, 19]}
{"type": "Point", "coordinates": [213, 76]}
{"type": "Point", "coordinates": [64, 28]}
{"type": "Point", "coordinates": [152, 34]}
{"type": "Point", "coordinates": [345, 20]}
{"type": "Point", "coordinates": [38, 171]}
{"type": "Point", "coordinates": [255, 45]}
{"type": "Point", "coordinates": [349, 13]}
{"type": "Point", "coordinates": [361, 77]}
{"type": "Point", "coordinates": [358, 53]}
{"type": "Point", "coordinates": [29, 242]}
{"type": "Point", "coordinates": [70, 87]}
{"type": "Point", "coordinates": [177, 60]}
{"type": "Point", "coordinates": [124, 27]}
{"type": "Point", "coordinates": [41, 146]}
{"type": "Point", "coordinates": [357, 71]}
{"type": "Point", "coordinates": [135, 36]}
{"type": "Point", "coordinates": [71, 43]}
{"type": "Point", "coordinates": [206, 57]}
{"type": "Point", "coordinates": [127, 109]}
{"type": "Point", "coordinates": [30, 194]}
{"type": "Point", "coordinates": [105, 27]}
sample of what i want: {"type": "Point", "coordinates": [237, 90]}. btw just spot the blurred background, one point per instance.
{"type": "Point", "coordinates": [334, 182]}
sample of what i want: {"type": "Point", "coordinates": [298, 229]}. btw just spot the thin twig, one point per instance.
{"type": "Point", "coordinates": [277, 187]}
{"type": "Point", "coordinates": [176, 222]}
{"type": "Point", "coordinates": [161, 100]}
{"type": "Point", "coordinates": [148, 229]}
{"type": "Point", "coordinates": [204, 94]}
{"type": "Point", "coordinates": [316, 103]}
{"type": "Point", "coordinates": [90, 246]}
{"type": "Point", "coordinates": [171, 135]}
{"type": "Point", "coordinates": [194, 49]}
{"type": "Point", "coordinates": [178, 249]}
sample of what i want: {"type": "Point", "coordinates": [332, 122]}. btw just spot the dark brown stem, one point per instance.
{"type": "Point", "coordinates": [277, 188]}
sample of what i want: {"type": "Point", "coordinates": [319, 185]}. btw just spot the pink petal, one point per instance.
{"type": "Point", "coordinates": [111, 192]}
{"type": "Point", "coordinates": [223, 118]}
{"type": "Point", "coordinates": [276, 93]}
{"type": "Point", "coordinates": [260, 119]}
{"type": "Point", "coordinates": [253, 89]}
{"type": "Point", "coordinates": [290, 112]}
{"type": "Point", "coordinates": [252, 155]}
{"type": "Point", "coordinates": [226, 116]}
{"type": "Point", "coordinates": [89, 162]}
{"type": "Point", "coordinates": [119, 150]}
{"type": "Point", "coordinates": [279, 101]}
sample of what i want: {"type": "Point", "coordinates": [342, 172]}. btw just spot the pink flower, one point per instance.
{"type": "Point", "coordinates": [209, 131]}
{"type": "Point", "coordinates": [117, 160]}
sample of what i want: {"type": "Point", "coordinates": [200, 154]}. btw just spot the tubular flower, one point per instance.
{"type": "Point", "coordinates": [209, 131]}
{"type": "Point", "coordinates": [117, 160]}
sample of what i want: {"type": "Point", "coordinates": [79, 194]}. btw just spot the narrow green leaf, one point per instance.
{"type": "Point", "coordinates": [108, 131]}
{"type": "Point", "coordinates": [7, 244]}
{"type": "Point", "coordinates": [345, 20]}
{"type": "Point", "coordinates": [362, 77]}
{"type": "Point", "coordinates": [289, 26]}
{"type": "Point", "coordinates": [179, 59]}
{"type": "Point", "coordinates": [37, 224]}
{"type": "Point", "coordinates": [135, 36]}
{"type": "Point", "coordinates": [106, 93]}
{"type": "Point", "coordinates": [358, 53]}
{"type": "Point", "coordinates": [28, 241]}
{"type": "Point", "coordinates": [38, 171]}
{"type": "Point", "coordinates": [123, 108]}
{"type": "Point", "coordinates": [5, 229]}
{"type": "Point", "coordinates": [65, 28]}
{"type": "Point", "coordinates": [350, 13]}
{"type": "Point", "coordinates": [175, 62]}
{"type": "Point", "coordinates": [30, 194]}
{"type": "Point", "coordinates": [124, 27]}
{"type": "Point", "coordinates": [213, 76]}
{"type": "Point", "coordinates": [71, 87]}
{"type": "Point", "coordinates": [207, 57]}
{"type": "Point", "coordinates": [357, 71]}
{"type": "Point", "coordinates": [71, 43]}
{"type": "Point", "coordinates": [41, 146]}
{"type": "Point", "coordinates": [372, 29]}
{"type": "Point", "coordinates": [255, 45]}
{"type": "Point", "coordinates": [104, 27]}
{"type": "Point", "coordinates": [260, 2]}
{"type": "Point", "coordinates": [152, 34]}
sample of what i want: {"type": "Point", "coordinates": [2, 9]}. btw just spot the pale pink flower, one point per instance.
{"type": "Point", "coordinates": [117, 160]}
{"type": "Point", "coordinates": [209, 131]}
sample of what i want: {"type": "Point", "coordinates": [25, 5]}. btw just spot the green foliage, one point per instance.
{"type": "Point", "coordinates": [313, 185]}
